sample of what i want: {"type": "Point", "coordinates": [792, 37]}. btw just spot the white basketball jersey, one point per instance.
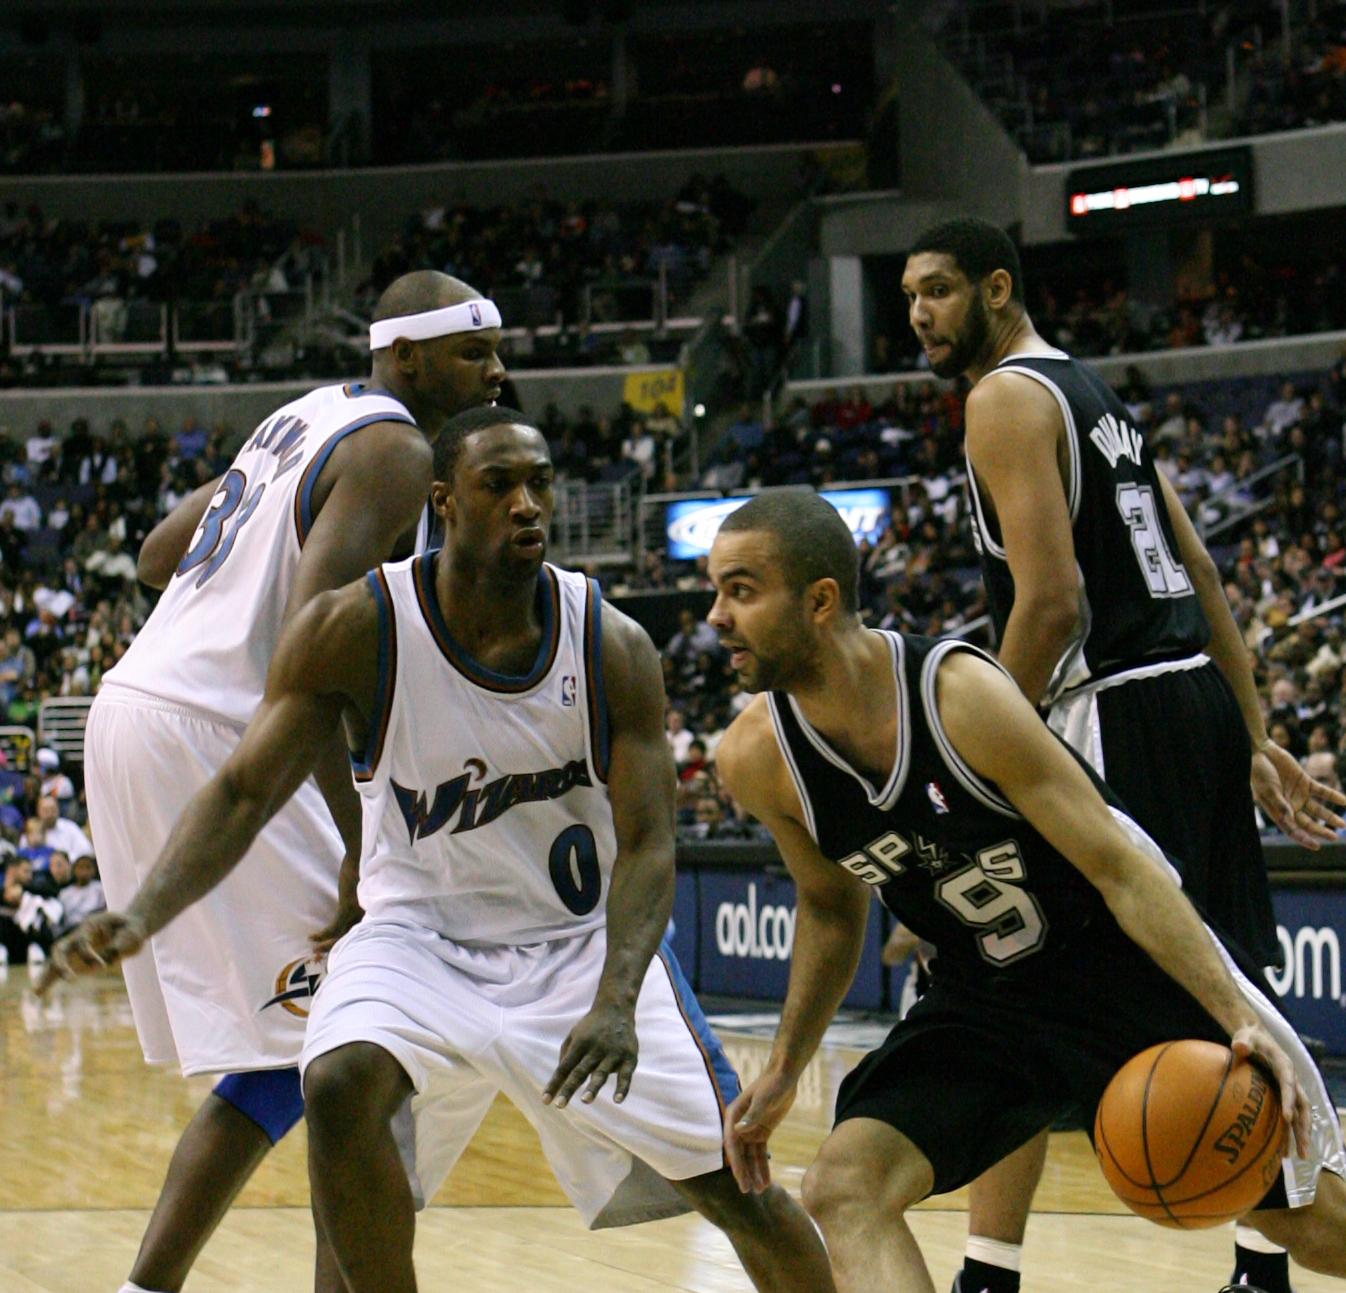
{"type": "Point", "coordinates": [486, 812]}
{"type": "Point", "coordinates": [211, 637]}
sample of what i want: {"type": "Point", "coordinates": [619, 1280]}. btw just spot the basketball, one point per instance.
{"type": "Point", "coordinates": [1189, 1135]}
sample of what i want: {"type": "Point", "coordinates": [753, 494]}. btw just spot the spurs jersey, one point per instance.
{"type": "Point", "coordinates": [210, 639]}
{"type": "Point", "coordinates": [949, 855]}
{"type": "Point", "coordinates": [486, 812]}
{"type": "Point", "coordinates": [1137, 602]}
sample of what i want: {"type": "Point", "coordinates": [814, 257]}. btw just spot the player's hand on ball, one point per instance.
{"type": "Point", "coordinates": [1255, 1043]}
{"type": "Point", "coordinates": [748, 1124]}
{"type": "Point", "coordinates": [99, 942]}
{"type": "Point", "coordinates": [602, 1044]}
{"type": "Point", "coordinates": [1293, 800]}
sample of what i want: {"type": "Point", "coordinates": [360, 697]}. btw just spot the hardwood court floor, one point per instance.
{"type": "Point", "coordinates": [88, 1129]}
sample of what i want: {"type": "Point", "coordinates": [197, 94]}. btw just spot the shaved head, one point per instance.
{"type": "Point", "coordinates": [421, 290]}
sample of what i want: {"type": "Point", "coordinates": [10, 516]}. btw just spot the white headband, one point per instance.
{"type": "Point", "coordinates": [468, 316]}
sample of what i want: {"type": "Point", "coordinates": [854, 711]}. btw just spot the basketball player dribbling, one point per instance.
{"type": "Point", "coordinates": [507, 734]}
{"type": "Point", "coordinates": [326, 487]}
{"type": "Point", "coordinates": [916, 768]}
{"type": "Point", "coordinates": [1111, 616]}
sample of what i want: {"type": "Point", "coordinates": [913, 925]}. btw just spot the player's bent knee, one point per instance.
{"type": "Point", "coordinates": [1315, 1235]}
{"type": "Point", "coordinates": [352, 1084]}
{"type": "Point", "coordinates": [864, 1166]}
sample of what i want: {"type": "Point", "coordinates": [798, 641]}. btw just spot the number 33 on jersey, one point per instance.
{"type": "Point", "coordinates": [218, 620]}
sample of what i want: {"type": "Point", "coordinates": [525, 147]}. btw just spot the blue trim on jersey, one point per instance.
{"type": "Point", "coordinates": [387, 676]}
{"type": "Point", "coordinates": [549, 595]}
{"type": "Point", "coordinates": [354, 391]}
{"type": "Point", "coordinates": [303, 503]}
{"type": "Point", "coordinates": [593, 662]}
{"type": "Point", "coordinates": [721, 1072]}
{"type": "Point", "coordinates": [272, 1098]}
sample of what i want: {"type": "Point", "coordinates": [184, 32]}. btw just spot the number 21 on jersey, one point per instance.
{"type": "Point", "coordinates": [1164, 576]}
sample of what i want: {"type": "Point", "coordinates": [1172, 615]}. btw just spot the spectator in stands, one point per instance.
{"type": "Point", "coordinates": [18, 666]}
{"type": "Point", "coordinates": [28, 920]}
{"type": "Point", "coordinates": [111, 562]}
{"type": "Point", "coordinates": [1282, 413]}
{"type": "Point", "coordinates": [695, 762]}
{"type": "Point", "coordinates": [633, 350]}
{"type": "Point", "coordinates": [33, 844]}
{"type": "Point", "coordinates": [83, 896]}
{"type": "Point", "coordinates": [60, 832]}
{"type": "Point", "coordinates": [43, 453]}
{"type": "Point", "coordinates": [679, 734]}
{"type": "Point", "coordinates": [22, 509]}
{"type": "Point", "coordinates": [692, 638]}
{"type": "Point", "coordinates": [54, 782]}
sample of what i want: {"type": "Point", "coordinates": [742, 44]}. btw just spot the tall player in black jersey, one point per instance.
{"type": "Point", "coordinates": [1111, 616]}
{"type": "Point", "coordinates": [916, 768]}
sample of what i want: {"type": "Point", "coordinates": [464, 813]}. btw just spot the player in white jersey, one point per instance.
{"type": "Point", "coordinates": [325, 487]}
{"type": "Point", "coordinates": [517, 876]}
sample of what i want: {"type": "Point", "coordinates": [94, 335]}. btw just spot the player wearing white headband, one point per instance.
{"type": "Point", "coordinates": [323, 490]}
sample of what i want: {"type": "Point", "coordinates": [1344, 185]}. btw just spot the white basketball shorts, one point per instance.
{"type": "Point", "coordinates": [466, 1022]}
{"type": "Point", "coordinates": [226, 986]}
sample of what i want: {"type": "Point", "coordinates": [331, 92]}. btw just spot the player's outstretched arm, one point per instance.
{"type": "Point", "coordinates": [167, 544]}
{"type": "Point", "coordinates": [1292, 799]}
{"type": "Point", "coordinates": [1013, 429]}
{"type": "Point", "coordinates": [641, 785]}
{"type": "Point", "coordinates": [326, 663]}
{"type": "Point", "coordinates": [1002, 739]}
{"type": "Point", "coordinates": [830, 917]}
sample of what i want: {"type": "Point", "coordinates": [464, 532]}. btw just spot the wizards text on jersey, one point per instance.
{"type": "Point", "coordinates": [479, 805]}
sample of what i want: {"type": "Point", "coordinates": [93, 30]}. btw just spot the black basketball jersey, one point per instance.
{"type": "Point", "coordinates": [948, 853]}
{"type": "Point", "coordinates": [1137, 602]}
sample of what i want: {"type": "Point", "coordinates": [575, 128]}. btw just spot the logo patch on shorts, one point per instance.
{"type": "Point", "coordinates": [296, 983]}
{"type": "Point", "coordinates": [568, 690]}
{"type": "Point", "coordinates": [937, 800]}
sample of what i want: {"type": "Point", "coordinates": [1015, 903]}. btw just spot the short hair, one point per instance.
{"type": "Point", "coordinates": [977, 247]}
{"type": "Point", "coordinates": [449, 445]}
{"type": "Point", "coordinates": [813, 541]}
{"type": "Point", "coordinates": [421, 290]}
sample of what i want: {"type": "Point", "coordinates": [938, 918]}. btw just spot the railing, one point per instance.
{"type": "Point", "coordinates": [113, 326]}
{"type": "Point", "coordinates": [1209, 518]}
{"type": "Point", "coordinates": [595, 523]}
{"type": "Point", "coordinates": [60, 725]}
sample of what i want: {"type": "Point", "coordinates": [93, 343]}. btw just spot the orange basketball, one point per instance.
{"type": "Point", "coordinates": [1188, 1135]}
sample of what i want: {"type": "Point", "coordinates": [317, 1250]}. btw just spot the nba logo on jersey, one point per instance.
{"type": "Point", "coordinates": [475, 311]}
{"type": "Point", "coordinates": [937, 800]}
{"type": "Point", "coordinates": [568, 690]}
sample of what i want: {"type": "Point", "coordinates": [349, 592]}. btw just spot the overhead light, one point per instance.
{"type": "Point", "coordinates": [262, 110]}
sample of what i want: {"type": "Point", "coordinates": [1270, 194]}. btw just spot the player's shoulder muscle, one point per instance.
{"type": "Point", "coordinates": [331, 644]}
{"type": "Point", "coordinates": [383, 462]}
{"type": "Point", "coordinates": [1006, 412]}
{"type": "Point", "coordinates": [633, 680]}
{"type": "Point", "coordinates": [750, 762]}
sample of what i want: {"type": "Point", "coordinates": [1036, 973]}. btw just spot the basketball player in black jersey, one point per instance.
{"type": "Point", "coordinates": [916, 769]}
{"type": "Point", "coordinates": [1111, 616]}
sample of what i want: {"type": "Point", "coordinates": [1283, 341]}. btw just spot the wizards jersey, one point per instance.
{"type": "Point", "coordinates": [209, 642]}
{"type": "Point", "coordinates": [1137, 602]}
{"type": "Point", "coordinates": [486, 811]}
{"type": "Point", "coordinates": [949, 855]}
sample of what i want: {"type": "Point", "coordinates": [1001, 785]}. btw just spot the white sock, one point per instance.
{"type": "Point", "coordinates": [128, 1287]}
{"type": "Point", "coordinates": [1255, 1241]}
{"type": "Point", "coordinates": [994, 1252]}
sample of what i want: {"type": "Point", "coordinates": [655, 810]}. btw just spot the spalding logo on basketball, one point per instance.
{"type": "Point", "coordinates": [296, 983]}
{"type": "Point", "coordinates": [1189, 1135]}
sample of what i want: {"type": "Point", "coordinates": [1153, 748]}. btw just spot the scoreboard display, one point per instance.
{"type": "Point", "coordinates": [1159, 191]}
